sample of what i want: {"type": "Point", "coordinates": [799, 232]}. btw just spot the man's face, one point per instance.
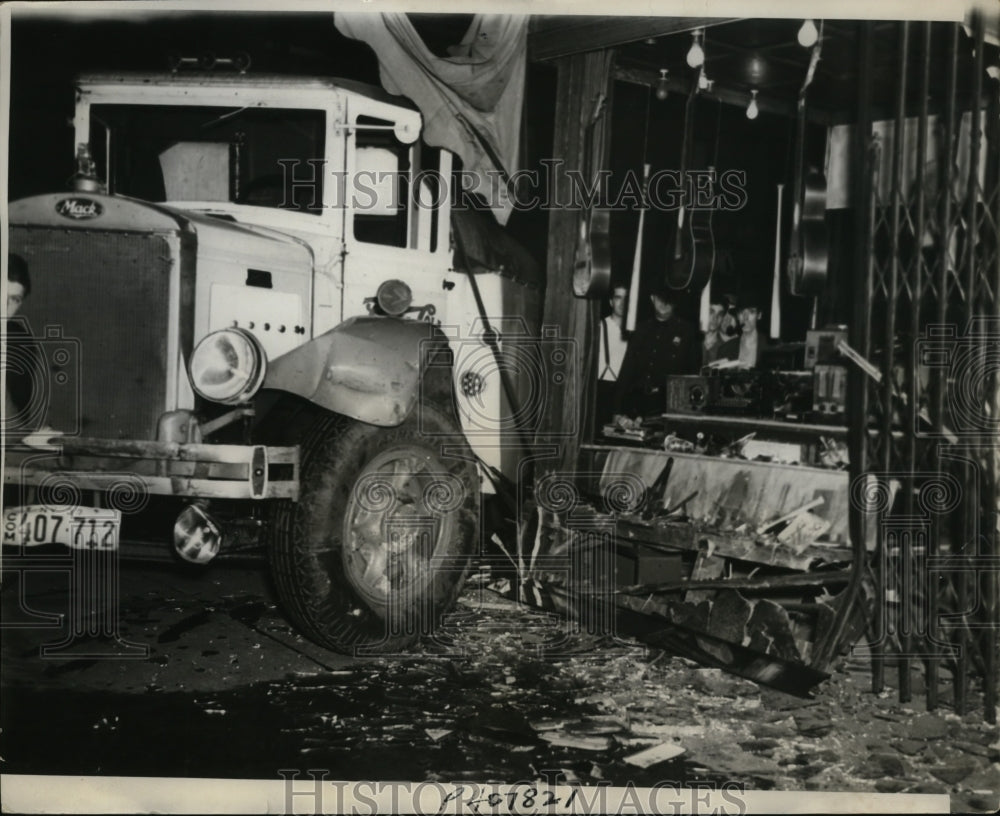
{"type": "Point", "coordinates": [748, 318]}
{"type": "Point", "coordinates": [618, 297]}
{"type": "Point", "coordinates": [715, 314]}
{"type": "Point", "coordinates": [15, 297]}
{"type": "Point", "coordinates": [661, 308]}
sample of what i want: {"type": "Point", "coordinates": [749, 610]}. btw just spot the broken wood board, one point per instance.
{"type": "Point", "coordinates": [747, 584]}
{"type": "Point", "coordinates": [767, 490]}
{"type": "Point", "coordinates": [706, 567]}
{"type": "Point", "coordinates": [803, 530]}
{"type": "Point", "coordinates": [696, 644]}
{"type": "Point", "coordinates": [563, 535]}
{"type": "Point", "coordinates": [764, 528]}
{"type": "Point", "coordinates": [730, 545]}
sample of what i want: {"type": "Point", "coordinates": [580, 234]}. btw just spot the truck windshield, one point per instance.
{"type": "Point", "coordinates": [267, 157]}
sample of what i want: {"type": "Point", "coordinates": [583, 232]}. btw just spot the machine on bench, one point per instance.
{"type": "Point", "coordinates": [819, 392]}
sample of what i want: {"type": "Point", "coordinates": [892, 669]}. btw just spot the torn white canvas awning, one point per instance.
{"type": "Point", "coordinates": [470, 101]}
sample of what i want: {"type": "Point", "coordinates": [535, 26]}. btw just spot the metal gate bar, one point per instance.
{"type": "Point", "coordinates": [903, 549]}
{"type": "Point", "coordinates": [990, 578]}
{"type": "Point", "coordinates": [921, 279]}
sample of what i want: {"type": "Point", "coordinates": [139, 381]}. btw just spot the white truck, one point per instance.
{"type": "Point", "coordinates": [259, 322]}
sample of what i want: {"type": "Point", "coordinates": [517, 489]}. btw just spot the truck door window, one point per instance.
{"type": "Point", "coordinates": [380, 195]}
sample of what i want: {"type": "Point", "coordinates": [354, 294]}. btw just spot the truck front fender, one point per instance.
{"type": "Point", "coordinates": [367, 368]}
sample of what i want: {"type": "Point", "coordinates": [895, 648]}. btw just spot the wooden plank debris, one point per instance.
{"type": "Point", "coordinates": [789, 516]}
{"type": "Point", "coordinates": [803, 530]}
{"type": "Point", "coordinates": [706, 567]}
{"type": "Point", "coordinates": [733, 490]}
{"type": "Point", "coordinates": [672, 536]}
{"type": "Point", "coordinates": [745, 584]}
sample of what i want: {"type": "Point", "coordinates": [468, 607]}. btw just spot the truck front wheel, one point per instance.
{"type": "Point", "coordinates": [379, 544]}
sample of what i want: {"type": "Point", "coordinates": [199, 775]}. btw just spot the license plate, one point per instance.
{"type": "Point", "coordinates": [80, 528]}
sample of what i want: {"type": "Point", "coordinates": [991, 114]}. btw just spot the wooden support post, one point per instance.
{"type": "Point", "coordinates": [860, 340]}
{"type": "Point", "coordinates": [581, 78]}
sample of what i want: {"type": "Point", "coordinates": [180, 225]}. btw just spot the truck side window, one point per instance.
{"type": "Point", "coordinates": [380, 189]}
{"type": "Point", "coordinates": [432, 196]}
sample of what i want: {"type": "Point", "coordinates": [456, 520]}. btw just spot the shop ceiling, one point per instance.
{"type": "Point", "coordinates": [762, 55]}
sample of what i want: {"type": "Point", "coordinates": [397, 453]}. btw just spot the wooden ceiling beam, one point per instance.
{"type": "Point", "coordinates": [560, 36]}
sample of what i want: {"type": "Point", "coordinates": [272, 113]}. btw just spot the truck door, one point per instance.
{"type": "Point", "coordinates": [397, 209]}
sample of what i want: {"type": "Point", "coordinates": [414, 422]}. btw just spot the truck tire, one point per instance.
{"type": "Point", "coordinates": [380, 542]}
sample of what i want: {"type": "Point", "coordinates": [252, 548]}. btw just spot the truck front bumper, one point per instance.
{"type": "Point", "coordinates": [164, 468]}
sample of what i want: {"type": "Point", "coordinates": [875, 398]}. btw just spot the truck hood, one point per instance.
{"type": "Point", "coordinates": [96, 211]}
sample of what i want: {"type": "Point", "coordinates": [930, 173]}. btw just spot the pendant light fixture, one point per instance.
{"type": "Point", "coordinates": [662, 86]}
{"type": "Point", "coordinates": [696, 54]}
{"type": "Point", "coordinates": [808, 34]}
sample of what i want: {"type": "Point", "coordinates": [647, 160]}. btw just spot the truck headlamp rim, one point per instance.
{"type": "Point", "coordinates": [394, 297]}
{"type": "Point", "coordinates": [227, 366]}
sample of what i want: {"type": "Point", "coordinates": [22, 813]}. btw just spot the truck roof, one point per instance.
{"type": "Point", "coordinates": [218, 79]}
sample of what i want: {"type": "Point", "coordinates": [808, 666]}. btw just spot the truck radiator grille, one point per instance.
{"type": "Point", "coordinates": [99, 308]}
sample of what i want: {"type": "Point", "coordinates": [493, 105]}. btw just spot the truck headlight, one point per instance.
{"type": "Point", "coordinates": [394, 297]}
{"type": "Point", "coordinates": [227, 366]}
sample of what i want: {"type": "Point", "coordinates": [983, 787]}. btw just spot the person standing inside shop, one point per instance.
{"type": "Point", "coordinates": [748, 345]}
{"type": "Point", "coordinates": [721, 327]}
{"type": "Point", "coordinates": [611, 354]}
{"type": "Point", "coordinates": [660, 347]}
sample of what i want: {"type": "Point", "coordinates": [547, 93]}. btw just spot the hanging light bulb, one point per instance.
{"type": "Point", "coordinates": [752, 109]}
{"type": "Point", "coordinates": [696, 54]}
{"type": "Point", "coordinates": [662, 87]}
{"type": "Point", "coordinates": [808, 34]}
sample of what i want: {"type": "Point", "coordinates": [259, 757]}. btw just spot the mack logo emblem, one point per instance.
{"type": "Point", "coordinates": [78, 208]}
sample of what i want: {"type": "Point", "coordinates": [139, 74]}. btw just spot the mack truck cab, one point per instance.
{"type": "Point", "coordinates": [256, 321]}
